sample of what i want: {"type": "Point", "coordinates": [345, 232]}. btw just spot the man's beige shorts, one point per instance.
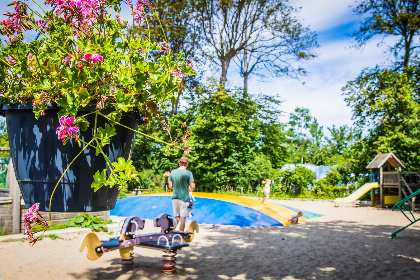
{"type": "Point", "coordinates": [180, 208]}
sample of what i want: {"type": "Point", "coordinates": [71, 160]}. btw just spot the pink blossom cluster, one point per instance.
{"type": "Point", "coordinates": [42, 24]}
{"type": "Point", "coordinates": [70, 59]}
{"type": "Point", "coordinates": [13, 24]}
{"type": "Point", "coordinates": [11, 60]}
{"type": "Point", "coordinates": [183, 138]}
{"type": "Point", "coordinates": [67, 59]}
{"type": "Point", "coordinates": [166, 127]}
{"type": "Point", "coordinates": [164, 47]}
{"type": "Point", "coordinates": [138, 10]}
{"type": "Point", "coordinates": [94, 57]}
{"type": "Point", "coordinates": [84, 12]}
{"type": "Point", "coordinates": [177, 72]}
{"type": "Point", "coordinates": [32, 217]}
{"type": "Point", "coordinates": [67, 129]}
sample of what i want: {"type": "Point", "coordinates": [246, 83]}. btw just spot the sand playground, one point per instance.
{"type": "Point", "coordinates": [347, 242]}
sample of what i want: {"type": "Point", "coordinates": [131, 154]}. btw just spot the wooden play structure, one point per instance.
{"type": "Point", "coordinates": [389, 178]}
{"type": "Point", "coordinates": [397, 189]}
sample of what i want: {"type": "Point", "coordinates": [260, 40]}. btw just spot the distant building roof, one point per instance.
{"type": "Point", "coordinates": [381, 159]}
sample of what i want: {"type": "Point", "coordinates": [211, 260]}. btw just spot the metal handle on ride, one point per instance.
{"type": "Point", "coordinates": [180, 237]}
{"type": "Point", "coordinates": [167, 241]}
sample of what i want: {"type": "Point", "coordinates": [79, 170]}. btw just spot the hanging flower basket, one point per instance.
{"type": "Point", "coordinates": [40, 158]}
{"type": "Point", "coordinates": [99, 70]}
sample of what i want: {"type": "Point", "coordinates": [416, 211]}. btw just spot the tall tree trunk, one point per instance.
{"type": "Point", "coordinates": [223, 76]}
{"type": "Point", "coordinates": [245, 72]}
{"type": "Point", "coordinates": [175, 105]}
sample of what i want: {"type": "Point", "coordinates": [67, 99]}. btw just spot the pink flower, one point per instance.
{"type": "Point", "coordinates": [13, 24]}
{"type": "Point", "coordinates": [32, 217]}
{"type": "Point", "coordinates": [31, 213]}
{"type": "Point", "coordinates": [80, 12]}
{"type": "Point", "coordinates": [164, 47]}
{"type": "Point", "coordinates": [78, 3]}
{"type": "Point", "coordinates": [93, 56]}
{"type": "Point", "coordinates": [177, 72]}
{"type": "Point", "coordinates": [67, 59]}
{"type": "Point", "coordinates": [96, 57]}
{"type": "Point", "coordinates": [11, 60]}
{"type": "Point", "coordinates": [138, 10]}
{"type": "Point", "coordinates": [67, 130]}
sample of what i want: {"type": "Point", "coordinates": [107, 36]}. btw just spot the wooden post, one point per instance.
{"type": "Point", "coordinates": [14, 190]}
{"type": "Point", "coordinates": [381, 191]}
{"type": "Point", "coordinates": [107, 216]}
{"type": "Point", "coordinates": [399, 183]}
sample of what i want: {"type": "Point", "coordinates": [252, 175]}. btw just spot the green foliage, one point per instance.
{"type": "Point", "coordinates": [2, 233]}
{"type": "Point", "coordinates": [224, 139]}
{"type": "Point", "coordinates": [294, 182]}
{"type": "Point", "coordinates": [386, 105]}
{"type": "Point", "coordinates": [95, 223]}
{"type": "Point", "coordinates": [325, 191]}
{"type": "Point", "coordinates": [306, 138]}
{"type": "Point", "coordinates": [333, 177]}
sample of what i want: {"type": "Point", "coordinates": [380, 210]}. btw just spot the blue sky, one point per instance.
{"type": "Point", "coordinates": [337, 63]}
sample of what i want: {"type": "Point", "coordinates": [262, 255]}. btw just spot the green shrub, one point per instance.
{"type": "Point", "coordinates": [95, 223]}
{"type": "Point", "coordinates": [294, 182]}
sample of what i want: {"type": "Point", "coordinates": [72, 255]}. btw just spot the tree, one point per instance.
{"type": "Point", "coordinates": [296, 181]}
{"type": "Point", "coordinates": [306, 137]}
{"type": "Point", "coordinates": [173, 30]}
{"type": "Point", "coordinates": [274, 140]}
{"type": "Point", "coordinates": [398, 18]}
{"type": "Point", "coordinates": [386, 105]}
{"type": "Point", "coordinates": [340, 143]}
{"type": "Point", "coordinates": [224, 139]}
{"type": "Point", "coordinates": [264, 31]}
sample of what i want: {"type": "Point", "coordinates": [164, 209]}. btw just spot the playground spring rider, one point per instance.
{"type": "Point", "coordinates": [168, 241]}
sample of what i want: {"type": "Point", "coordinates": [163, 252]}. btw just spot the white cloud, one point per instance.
{"type": "Point", "coordinates": [323, 15]}
{"type": "Point", "coordinates": [321, 94]}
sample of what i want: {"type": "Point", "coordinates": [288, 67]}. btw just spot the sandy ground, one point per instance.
{"type": "Point", "coordinates": [346, 243]}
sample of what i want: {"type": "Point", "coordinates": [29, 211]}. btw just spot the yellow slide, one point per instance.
{"type": "Point", "coordinates": [357, 194]}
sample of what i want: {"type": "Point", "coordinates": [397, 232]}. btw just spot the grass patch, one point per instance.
{"type": "Point", "coordinates": [38, 228]}
{"type": "Point", "coordinates": [53, 236]}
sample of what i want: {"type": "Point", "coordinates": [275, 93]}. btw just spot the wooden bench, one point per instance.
{"type": "Point", "coordinates": [139, 191]}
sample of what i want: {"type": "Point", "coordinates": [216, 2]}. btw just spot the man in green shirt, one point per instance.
{"type": "Point", "coordinates": [182, 181]}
